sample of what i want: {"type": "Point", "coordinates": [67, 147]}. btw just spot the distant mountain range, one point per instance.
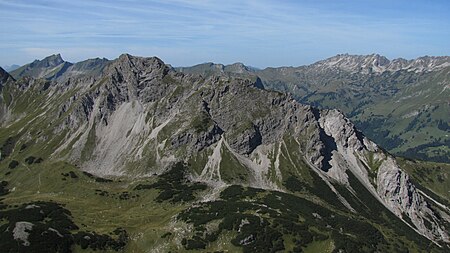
{"type": "Point", "coordinates": [10, 68]}
{"type": "Point", "coordinates": [53, 67]}
{"type": "Point", "coordinates": [403, 105]}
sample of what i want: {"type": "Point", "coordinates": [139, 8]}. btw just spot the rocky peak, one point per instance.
{"type": "Point", "coordinates": [49, 61]}
{"type": "Point", "coordinates": [378, 60]}
{"type": "Point", "coordinates": [89, 69]}
{"type": "Point", "coordinates": [237, 67]}
{"type": "Point", "coordinates": [428, 63]}
{"type": "Point", "coordinates": [219, 66]}
{"type": "Point", "coordinates": [354, 63]}
{"type": "Point", "coordinates": [50, 67]}
{"type": "Point", "coordinates": [139, 64]}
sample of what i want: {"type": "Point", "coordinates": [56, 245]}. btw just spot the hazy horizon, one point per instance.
{"type": "Point", "coordinates": [257, 33]}
{"type": "Point", "coordinates": [229, 63]}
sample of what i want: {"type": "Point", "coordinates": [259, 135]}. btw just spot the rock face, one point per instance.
{"type": "Point", "coordinates": [397, 191]}
{"type": "Point", "coordinates": [21, 232]}
{"type": "Point", "coordinates": [135, 116]}
{"type": "Point", "coordinates": [391, 186]}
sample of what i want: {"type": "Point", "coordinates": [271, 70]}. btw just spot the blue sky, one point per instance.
{"type": "Point", "coordinates": [259, 33]}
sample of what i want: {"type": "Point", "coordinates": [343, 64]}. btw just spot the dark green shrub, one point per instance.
{"type": "Point", "coordinates": [13, 164]}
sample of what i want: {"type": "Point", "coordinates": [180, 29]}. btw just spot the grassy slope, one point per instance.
{"type": "Point", "coordinates": [149, 220]}
{"type": "Point", "coordinates": [101, 214]}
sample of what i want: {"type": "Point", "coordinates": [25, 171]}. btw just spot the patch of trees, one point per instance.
{"type": "Point", "coordinates": [96, 241]}
{"type": "Point", "coordinates": [23, 147]}
{"type": "Point", "coordinates": [373, 210]}
{"type": "Point", "coordinates": [173, 186]}
{"type": "Point", "coordinates": [413, 124]}
{"type": "Point", "coordinates": [97, 179]}
{"type": "Point", "coordinates": [371, 128]}
{"type": "Point", "coordinates": [322, 190]}
{"type": "Point", "coordinates": [33, 160]}
{"type": "Point", "coordinates": [50, 229]}
{"type": "Point", "coordinates": [3, 189]}
{"type": "Point", "coordinates": [419, 152]}
{"type": "Point", "coordinates": [13, 164]}
{"type": "Point", "coordinates": [70, 174]}
{"type": "Point", "coordinates": [262, 218]}
{"type": "Point", "coordinates": [7, 147]}
{"type": "Point", "coordinates": [119, 196]}
{"type": "Point", "coordinates": [101, 193]}
{"type": "Point", "coordinates": [443, 125]}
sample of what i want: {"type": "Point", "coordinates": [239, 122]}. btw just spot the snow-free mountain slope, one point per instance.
{"type": "Point", "coordinates": [401, 104]}
{"type": "Point", "coordinates": [134, 119]}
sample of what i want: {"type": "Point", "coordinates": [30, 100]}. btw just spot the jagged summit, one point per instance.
{"type": "Point", "coordinates": [238, 68]}
{"type": "Point", "coordinates": [50, 67]}
{"type": "Point", "coordinates": [139, 63]}
{"type": "Point", "coordinates": [376, 63]}
{"type": "Point", "coordinates": [361, 64]}
{"type": "Point", "coordinates": [49, 61]}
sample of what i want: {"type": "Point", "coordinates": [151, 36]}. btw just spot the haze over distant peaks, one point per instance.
{"type": "Point", "coordinates": [376, 63]}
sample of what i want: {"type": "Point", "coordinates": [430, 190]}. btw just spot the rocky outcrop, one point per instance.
{"type": "Point", "coordinates": [402, 197]}
{"type": "Point", "coordinates": [391, 187]}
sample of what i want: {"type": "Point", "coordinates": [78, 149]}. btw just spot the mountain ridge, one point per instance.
{"type": "Point", "coordinates": [381, 63]}
{"type": "Point", "coordinates": [376, 63]}
{"type": "Point", "coordinates": [137, 116]}
{"type": "Point", "coordinates": [373, 63]}
{"type": "Point", "coordinates": [311, 85]}
{"type": "Point", "coordinates": [374, 92]}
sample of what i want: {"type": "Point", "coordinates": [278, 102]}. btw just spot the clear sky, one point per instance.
{"type": "Point", "coordinates": [259, 33]}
